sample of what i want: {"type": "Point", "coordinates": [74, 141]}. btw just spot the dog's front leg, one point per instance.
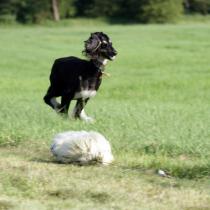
{"type": "Point", "coordinates": [79, 111]}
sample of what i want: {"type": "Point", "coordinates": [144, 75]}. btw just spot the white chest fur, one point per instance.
{"type": "Point", "coordinates": [85, 94]}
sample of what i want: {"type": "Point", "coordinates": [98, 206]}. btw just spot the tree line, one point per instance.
{"type": "Point", "coordinates": [144, 11]}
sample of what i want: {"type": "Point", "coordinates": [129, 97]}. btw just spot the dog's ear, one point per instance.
{"type": "Point", "coordinates": [92, 43]}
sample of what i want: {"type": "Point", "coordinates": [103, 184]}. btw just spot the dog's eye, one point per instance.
{"type": "Point", "coordinates": [104, 45]}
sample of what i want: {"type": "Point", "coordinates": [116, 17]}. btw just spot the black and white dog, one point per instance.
{"type": "Point", "coordinates": [73, 78]}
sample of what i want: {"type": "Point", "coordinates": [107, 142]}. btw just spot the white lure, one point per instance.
{"type": "Point", "coordinates": [81, 147]}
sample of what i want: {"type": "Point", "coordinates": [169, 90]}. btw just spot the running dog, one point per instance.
{"type": "Point", "coordinates": [73, 78]}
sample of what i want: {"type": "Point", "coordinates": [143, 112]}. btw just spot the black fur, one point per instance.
{"type": "Point", "coordinates": [71, 75]}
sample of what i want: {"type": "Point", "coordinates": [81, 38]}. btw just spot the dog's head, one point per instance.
{"type": "Point", "coordinates": [99, 45]}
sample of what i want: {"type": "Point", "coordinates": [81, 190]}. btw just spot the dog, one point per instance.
{"type": "Point", "coordinates": [81, 147]}
{"type": "Point", "coordinates": [73, 78]}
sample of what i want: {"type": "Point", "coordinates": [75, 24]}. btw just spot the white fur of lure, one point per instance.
{"type": "Point", "coordinates": [81, 147]}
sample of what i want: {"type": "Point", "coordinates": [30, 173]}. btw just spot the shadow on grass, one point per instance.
{"type": "Point", "coordinates": [174, 170]}
{"type": "Point", "coordinates": [66, 193]}
{"type": "Point", "coordinates": [52, 161]}
{"type": "Point", "coordinates": [40, 160]}
{"type": "Point", "coordinates": [5, 205]}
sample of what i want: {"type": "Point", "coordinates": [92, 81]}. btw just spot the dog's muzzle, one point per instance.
{"type": "Point", "coordinates": [112, 55]}
{"type": "Point", "coordinates": [112, 58]}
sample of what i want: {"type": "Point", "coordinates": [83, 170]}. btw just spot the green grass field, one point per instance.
{"type": "Point", "coordinates": [154, 109]}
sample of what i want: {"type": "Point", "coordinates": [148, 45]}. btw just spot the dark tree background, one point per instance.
{"type": "Point", "coordinates": [35, 11]}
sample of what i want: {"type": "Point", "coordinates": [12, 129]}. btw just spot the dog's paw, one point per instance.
{"type": "Point", "coordinates": [87, 119]}
{"type": "Point", "coordinates": [82, 118]}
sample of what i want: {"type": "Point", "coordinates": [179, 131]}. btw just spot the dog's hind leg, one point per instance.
{"type": "Point", "coordinates": [50, 99]}
{"type": "Point", "coordinates": [65, 103]}
{"type": "Point", "coordinates": [56, 105]}
{"type": "Point", "coordinates": [79, 111]}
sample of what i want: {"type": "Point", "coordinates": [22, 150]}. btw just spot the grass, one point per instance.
{"type": "Point", "coordinates": [154, 109]}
